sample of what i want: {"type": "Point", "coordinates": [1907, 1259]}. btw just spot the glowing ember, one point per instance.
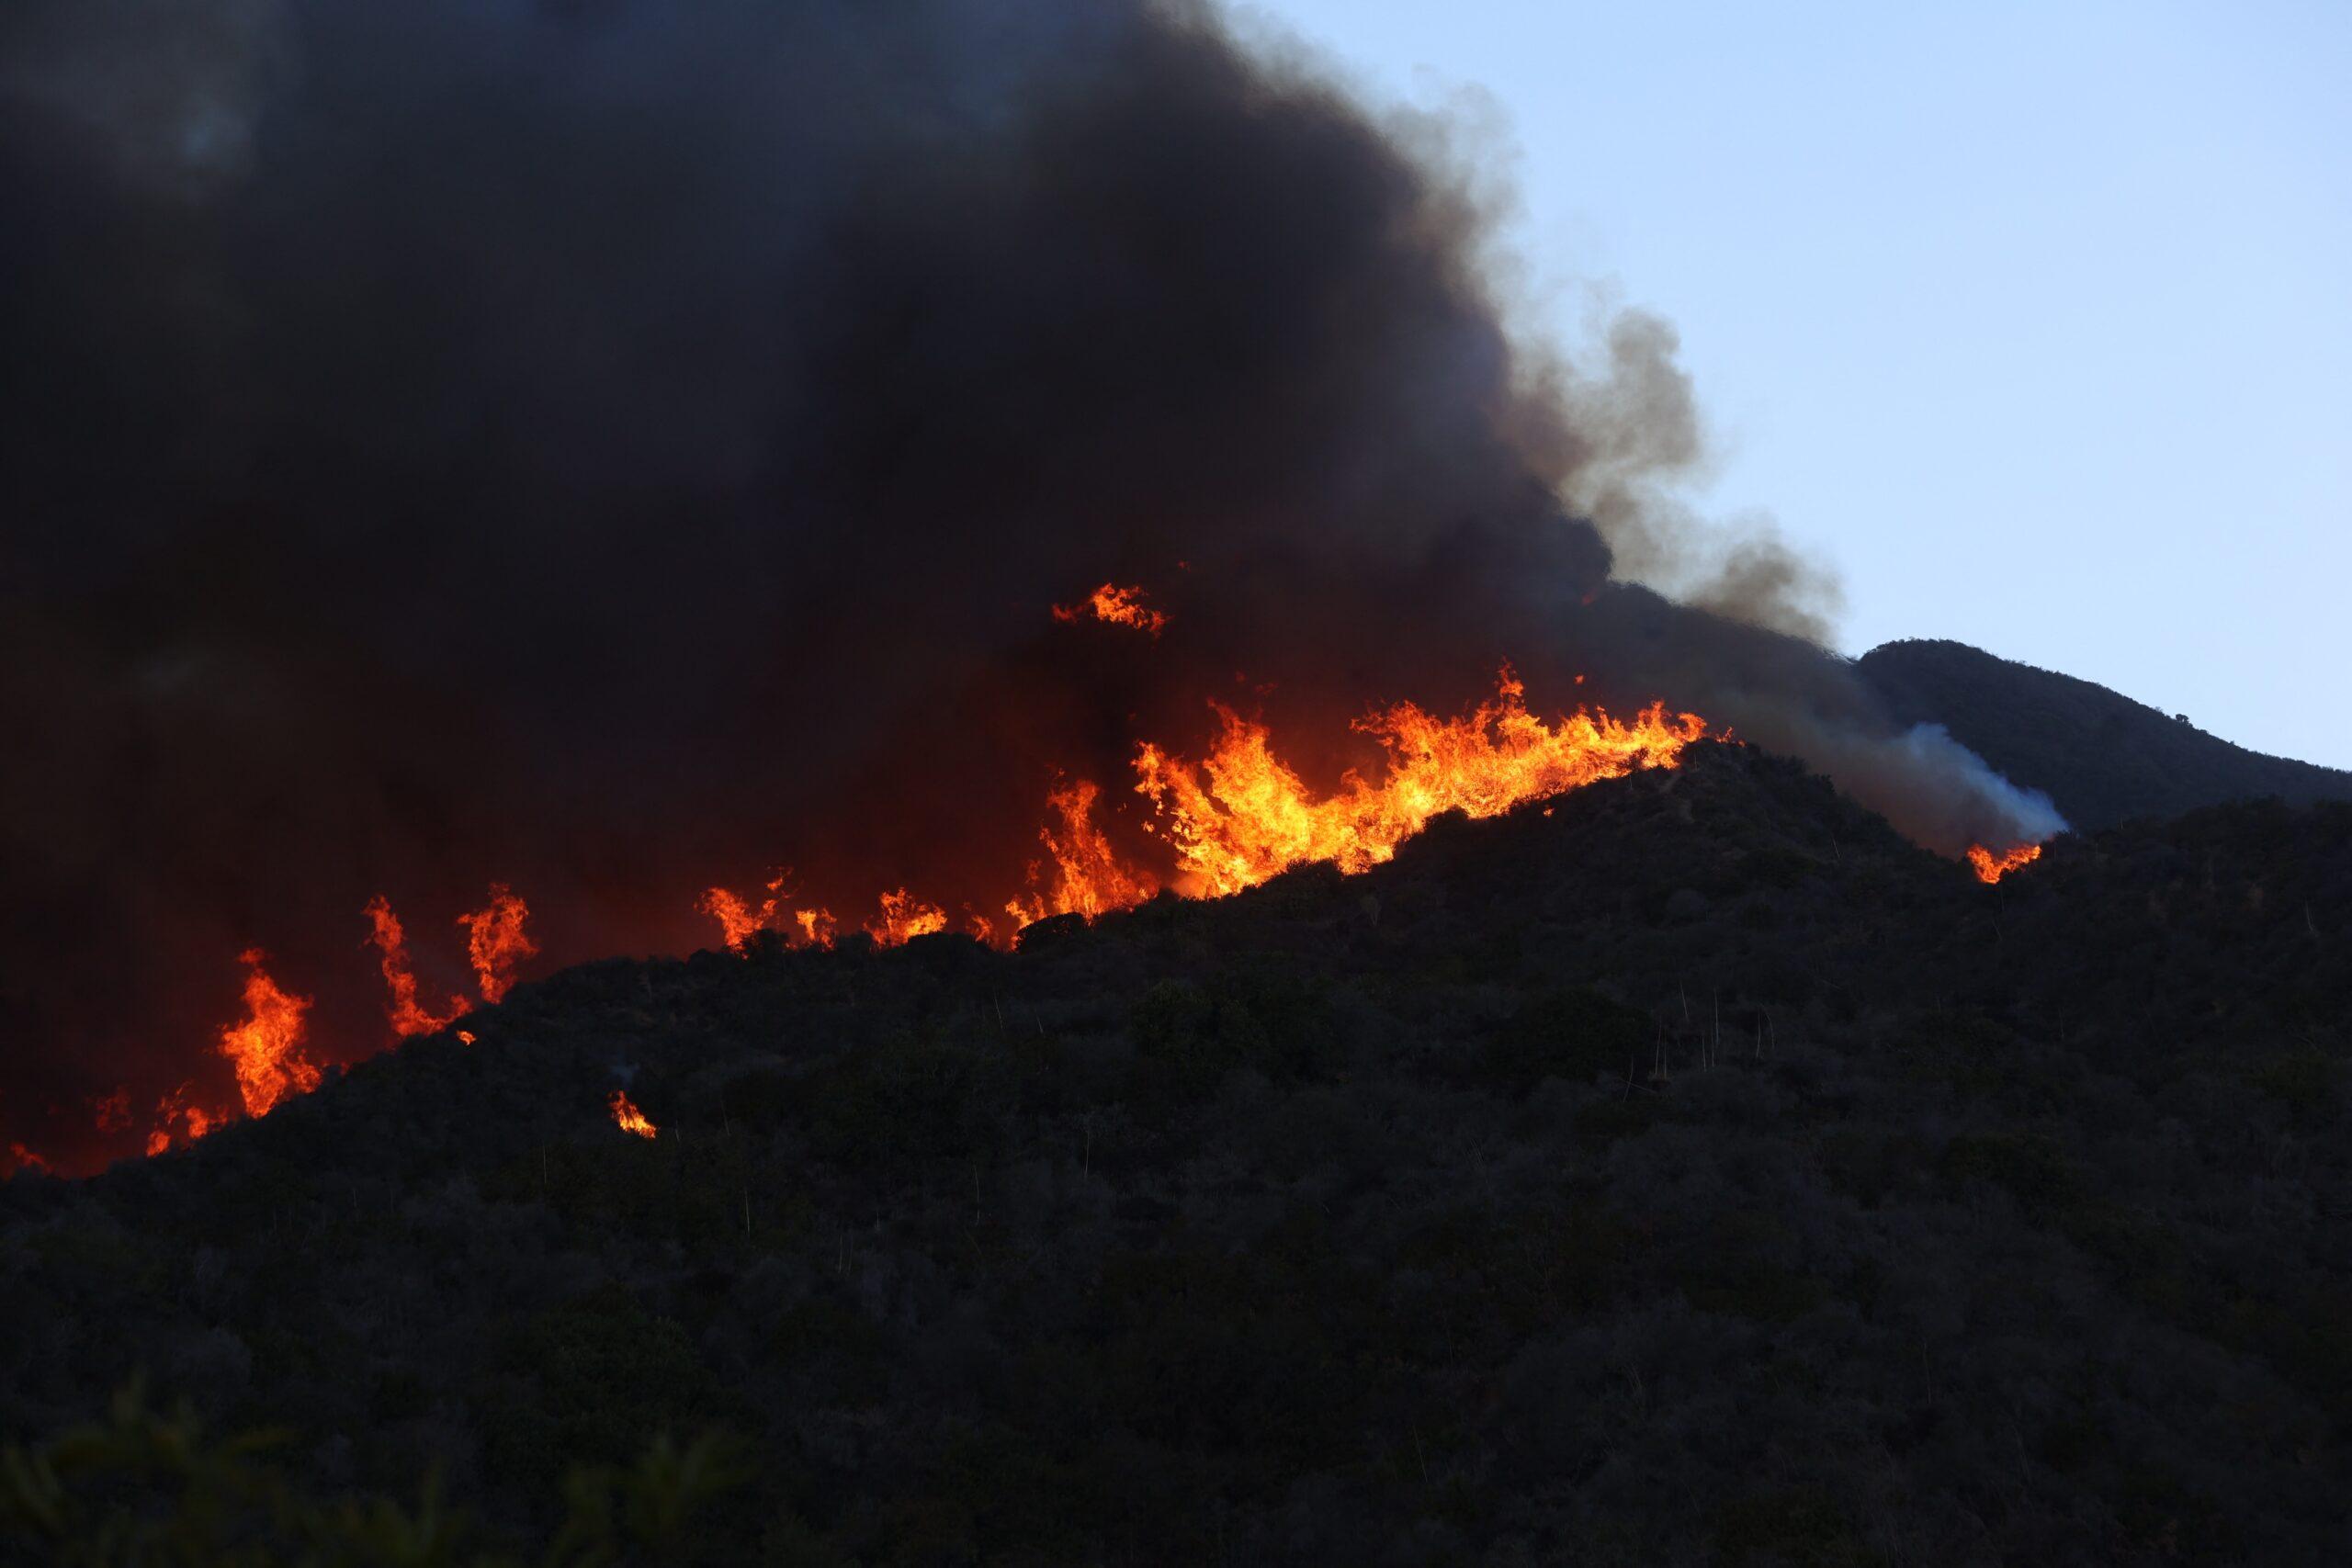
{"type": "Point", "coordinates": [23, 1158]}
{"type": "Point", "coordinates": [266, 1048]}
{"type": "Point", "coordinates": [1991, 867]}
{"type": "Point", "coordinates": [628, 1118]}
{"type": "Point", "coordinates": [113, 1110]}
{"type": "Point", "coordinates": [407, 1015]}
{"type": "Point", "coordinates": [1117, 606]}
{"type": "Point", "coordinates": [1242, 817]}
{"type": "Point", "coordinates": [494, 938]}
{"type": "Point", "coordinates": [1087, 876]}
{"type": "Point", "coordinates": [904, 915]}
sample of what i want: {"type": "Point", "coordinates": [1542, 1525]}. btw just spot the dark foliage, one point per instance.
{"type": "Point", "coordinates": [1688, 1170]}
{"type": "Point", "coordinates": [2103, 758]}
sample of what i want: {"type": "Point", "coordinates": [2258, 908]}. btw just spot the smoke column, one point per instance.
{"type": "Point", "coordinates": [609, 446]}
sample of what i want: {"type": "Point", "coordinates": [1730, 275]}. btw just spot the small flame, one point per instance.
{"type": "Point", "coordinates": [174, 1107]}
{"type": "Point", "coordinates": [113, 1110]}
{"type": "Point", "coordinates": [23, 1158]}
{"type": "Point", "coordinates": [1991, 867]}
{"type": "Point", "coordinates": [407, 1015]}
{"type": "Point", "coordinates": [266, 1048]}
{"type": "Point", "coordinates": [817, 927]}
{"type": "Point", "coordinates": [903, 917]}
{"type": "Point", "coordinates": [1117, 606]}
{"type": "Point", "coordinates": [1242, 817]}
{"type": "Point", "coordinates": [628, 1118]}
{"type": "Point", "coordinates": [739, 922]}
{"type": "Point", "coordinates": [495, 941]}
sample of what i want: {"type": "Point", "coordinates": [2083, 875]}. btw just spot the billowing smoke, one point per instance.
{"type": "Point", "coordinates": [611, 446]}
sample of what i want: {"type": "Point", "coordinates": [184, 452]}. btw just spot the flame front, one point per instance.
{"type": "Point", "coordinates": [1991, 867]}
{"type": "Point", "coordinates": [628, 1118]}
{"type": "Point", "coordinates": [1241, 815]}
{"type": "Point", "coordinates": [408, 1016]}
{"type": "Point", "coordinates": [494, 939]}
{"type": "Point", "coordinates": [266, 1048]}
{"type": "Point", "coordinates": [1116, 606]}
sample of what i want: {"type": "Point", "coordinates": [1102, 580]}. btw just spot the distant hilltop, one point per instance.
{"type": "Point", "coordinates": [2101, 757]}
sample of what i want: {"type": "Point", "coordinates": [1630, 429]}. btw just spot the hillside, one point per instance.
{"type": "Point", "coordinates": [1688, 1170]}
{"type": "Point", "coordinates": [2103, 758]}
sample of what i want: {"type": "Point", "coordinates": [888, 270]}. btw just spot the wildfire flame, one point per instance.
{"type": "Point", "coordinates": [737, 917]}
{"type": "Point", "coordinates": [1117, 606]}
{"type": "Point", "coordinates": [1991, 867]}
{"type": "Point", "coordinates": [495, 941]}
{"type": "Point", "coordinates": [628, 1118]}
{"type": "Point", "coordinates": [904, 915]}
{"type": "Point", "coordinates": [408, 1016]}
{"type": "Point", "coordinates": [23, 1158]}
{"type": "Point", "coordinates": [174, 1107]}
{"type": "Point", "coordinates": [1242, 816]}
{"type": "Point", "coordinates": [1087, 876]}
{"type": "Point", "coordinates": [266, 1048]}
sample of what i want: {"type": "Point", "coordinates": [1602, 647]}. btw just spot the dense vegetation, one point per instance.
{"type": "Point", "coordinates": [2103, 758]}
{"type": "Point", "coordinates": [1688, 1170]}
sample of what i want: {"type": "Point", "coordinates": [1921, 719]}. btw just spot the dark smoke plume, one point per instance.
{"type": "Point", "coordinates": [611, 446]}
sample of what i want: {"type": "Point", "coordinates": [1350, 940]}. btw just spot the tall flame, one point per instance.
{"type": "Point", "coordinates": [1117, 606]}
{"type": "Point", "coordinates": [495, 941]}
{"type": "Point", "coordinates": [266, 1048]}
{"type": "Point", "coordinates": [1242, 816]}
{"type": "Point", "coordinates": [1087, 878]}
{"type": "Point", "coordinates": [628, 1118]}
{"type": "Point", "coordinates": [408, 1016]}
{"type": "Point", "coordinates": [1991, 866]}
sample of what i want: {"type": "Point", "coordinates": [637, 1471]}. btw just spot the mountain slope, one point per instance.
{"type": "Point", "coordinates": [1686, 1170]}
{"type": "Point", "coordinates": [2103, 758]}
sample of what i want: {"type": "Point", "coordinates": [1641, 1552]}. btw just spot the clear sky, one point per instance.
{"type": "Point", "coordinates": [2034, 320]}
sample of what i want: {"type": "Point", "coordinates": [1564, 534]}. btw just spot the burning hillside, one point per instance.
{"type": "Point", "coordinates": [614, 450]}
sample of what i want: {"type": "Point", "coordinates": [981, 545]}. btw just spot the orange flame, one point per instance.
{"type": "Point", "coordinates": [1087, 876]}
{"type": "Point", "coordinates": [174, 1107]}
{"type": "Point", "coordinates": [1991, 867]}
{"type": "Point", "coordinates": [1117, 606]}
{"type": "Point", "coordinates": [494, 939]}
{"type": "Point", "coordinates": [407, 1015]}
{"type": "Point", "coordinates": [628, 1118]}
{"type": "Point", "coordinates": [903, 917]}
{"type": "Point", "coordinates": [738, 920]}
{"type": "Point", "coordinates": [266, 1048]}
{"type": "Point", "coordinates": [1242, 817]}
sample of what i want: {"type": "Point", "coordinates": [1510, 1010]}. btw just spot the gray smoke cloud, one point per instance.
{"type": "Point", "coordinates": [609, 446]}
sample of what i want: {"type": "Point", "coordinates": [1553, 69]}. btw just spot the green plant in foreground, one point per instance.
{"type": "Point", "coordinates": [144, 1489]}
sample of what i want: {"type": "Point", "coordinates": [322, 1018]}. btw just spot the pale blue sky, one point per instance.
{"type": "Point", "coordinates": [2035, 320]}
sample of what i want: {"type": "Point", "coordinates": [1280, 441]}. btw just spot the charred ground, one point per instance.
{"type": "Point", "coordinates": [1691, 1170]}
